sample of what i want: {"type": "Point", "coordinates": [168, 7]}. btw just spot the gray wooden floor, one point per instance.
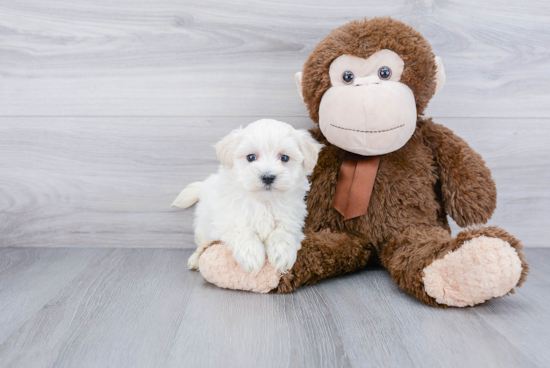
{"type": "Point", "coordinates": [142, 308]}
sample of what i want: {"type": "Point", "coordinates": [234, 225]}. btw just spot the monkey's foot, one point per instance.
{"type": "Point", "coordinates": [481, 269]}
{"type": "Point", "coordinates": [217, 266]}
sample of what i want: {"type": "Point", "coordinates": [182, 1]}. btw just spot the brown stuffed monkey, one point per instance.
{"type": "Point", "coordinates": [387, 178]}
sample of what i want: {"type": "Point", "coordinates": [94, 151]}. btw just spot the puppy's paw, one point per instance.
{"type": "Point", "coordinates": [282, 255]}
{"type": "Point", "coordinates": [193, 262]}
{"type": "Point", "coordinates": [250, 256]}
{"type": "Point", "coordinates": [282, 248]}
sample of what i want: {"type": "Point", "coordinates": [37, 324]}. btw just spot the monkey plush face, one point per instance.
{"type": "Point", "coordinates": [367, 110]}
{"type": "Point", "coordinates": [365, 85]}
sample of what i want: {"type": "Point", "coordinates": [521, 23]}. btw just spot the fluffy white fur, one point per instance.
{"type": "Point", "coordinates": [236, 207]}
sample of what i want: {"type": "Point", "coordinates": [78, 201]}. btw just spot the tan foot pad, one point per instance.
{"type": "Point", "coordinates": [218, 267]}
{"type": "Point", "coordinates": [481, 269]}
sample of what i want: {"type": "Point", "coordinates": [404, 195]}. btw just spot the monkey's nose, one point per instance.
{"type": "Point", "coordinates": [371, 79]}
{"type": "Point", "coordinates": [268, 179]}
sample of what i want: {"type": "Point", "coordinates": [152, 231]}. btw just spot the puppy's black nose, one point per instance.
{"type": "Point", "coordinates": [268, 179]}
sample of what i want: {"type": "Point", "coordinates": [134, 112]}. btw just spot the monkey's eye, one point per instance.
{"type": "Point", "coordinates": [251, 157]}
{"type": "Point", "coordinates": [284, 158]}
{"type": "Point", "coordinates": [384, 73]}
{"type": "Point", "coordinates": [348, 77]}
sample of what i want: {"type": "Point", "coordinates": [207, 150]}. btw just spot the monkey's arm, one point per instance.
{"type": "Point", "coordinates": [468, 190]}
{"type": "Point", "coordinates": [324, 254]}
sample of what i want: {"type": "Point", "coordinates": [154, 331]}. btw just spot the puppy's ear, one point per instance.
{"type": "Point", "coordinates": [225, 148]}
{"type": "Point", "coordinates": [310, 149]}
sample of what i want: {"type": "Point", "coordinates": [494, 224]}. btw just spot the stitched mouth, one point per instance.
{"type": "Point", "coordinates": [369, 131]}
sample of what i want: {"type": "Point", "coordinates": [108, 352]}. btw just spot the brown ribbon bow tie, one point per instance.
{"type": "Point", "coordinates": [355, 183]}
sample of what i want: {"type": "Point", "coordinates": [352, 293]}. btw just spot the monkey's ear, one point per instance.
{"type": "Point", "coordinates": [226, 147]}
{"type": "Point", "coordinates": [440, 76]}
{"type": "Point", "coordinates": [298, 77]}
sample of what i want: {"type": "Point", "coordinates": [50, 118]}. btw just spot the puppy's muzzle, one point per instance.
{"type": "Point", "coordinates": [268, 179]}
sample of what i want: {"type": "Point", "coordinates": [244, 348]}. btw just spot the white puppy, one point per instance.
{"type": "Point", "coordinates": [255, 203]}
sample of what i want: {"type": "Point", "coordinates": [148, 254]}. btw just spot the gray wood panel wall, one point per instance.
{"type": "Point", "coordinates": [109, 108]}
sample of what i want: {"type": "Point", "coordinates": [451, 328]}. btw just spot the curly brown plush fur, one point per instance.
{"type": "Point", "coordinates": [436, 173]}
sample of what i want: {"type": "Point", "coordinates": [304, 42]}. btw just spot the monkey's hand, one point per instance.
{"type": "Point", "coordinates": [468, 190]}
{"type": "Point", "coordinates": [218, 267]}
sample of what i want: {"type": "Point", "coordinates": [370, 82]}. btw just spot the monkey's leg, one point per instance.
{"type": "Point", "coordinates": [476, 266]}
{"type": "Point", "coordinates": [324, 254]}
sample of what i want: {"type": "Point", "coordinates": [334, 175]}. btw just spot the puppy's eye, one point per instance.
{"type": "Point", "coordinates": [384, 73]}
{"type": "Point", "coordinates": [285, 158]}
{"type": "Point", "coordinates": [347, 77]}
{"type": "Point", "coordinates": [251, 157]}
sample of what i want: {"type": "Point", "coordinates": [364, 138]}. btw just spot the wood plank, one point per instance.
{"type": "Point", "coordinates": [29, 277]}
{"type": "Point", "coordinates": [109, 182]}
{"type": "Point", "coordinates": [103, 182]}
{"type": "Point", "coordinates": [382, 325]}
{"type": "Point", "coordinates": [120, 312]}
{"type": "Point", "coordinates": [251, 330]}
{"type": "Point", "coordinates": [527, 310]}
{"type": "Point", "coordinates": [188, 58]}
{"type": "Point", "coordinates": [142, 308]}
